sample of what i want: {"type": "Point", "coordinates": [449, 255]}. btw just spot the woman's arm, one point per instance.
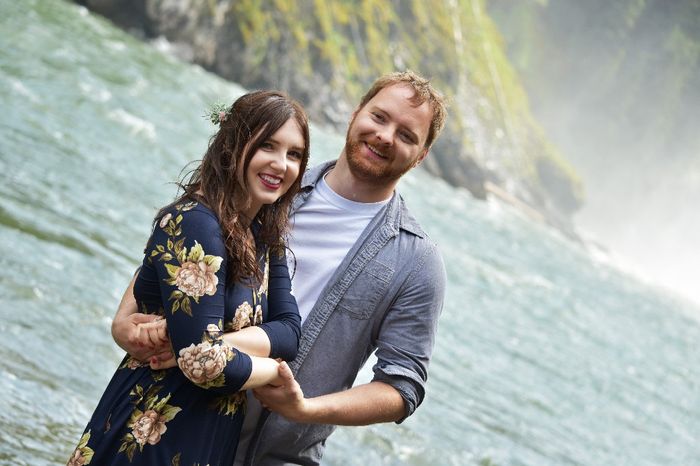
{"type": "Point", "coordinates": [251, 340]}
{"type": "Point", "coordinates": [283, 323]}
{"type": "Point", "coordinates": [188, 260]}
{"type": "Point", "coordinates": [282, 326]}
{"type": "Point", "coordinates": [265, 372]}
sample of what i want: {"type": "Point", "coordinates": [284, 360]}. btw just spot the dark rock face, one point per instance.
{"type": "Point", "coordinates": [326, 59]}
{"type": "Point", "coordinates": [561, 190]}
{"type": "Point", "coordinates": [127, 14]}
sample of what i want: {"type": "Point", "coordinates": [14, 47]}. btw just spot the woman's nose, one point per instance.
{"type": "Point", "coordinates": [279, 161]}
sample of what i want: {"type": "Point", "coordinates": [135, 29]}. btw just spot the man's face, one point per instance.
{"type": "Point", "coordinates": [386, 137]}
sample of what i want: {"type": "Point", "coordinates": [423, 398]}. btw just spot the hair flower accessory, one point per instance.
{"type": "Point", "coordinates": [218, 113]}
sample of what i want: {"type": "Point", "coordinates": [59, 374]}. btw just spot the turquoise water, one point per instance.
{"type": "Point", "coordinates": [545, 356]}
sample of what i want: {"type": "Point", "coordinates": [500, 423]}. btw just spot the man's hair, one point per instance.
{"type": "Point", "coordinates": [423, 92]}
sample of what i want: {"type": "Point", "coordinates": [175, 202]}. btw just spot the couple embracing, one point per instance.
{"type": "Point", "coordinates": [212, 311]}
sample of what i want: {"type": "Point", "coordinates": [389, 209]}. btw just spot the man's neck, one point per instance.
{"type": "Point", "coordinates": [342, 181]}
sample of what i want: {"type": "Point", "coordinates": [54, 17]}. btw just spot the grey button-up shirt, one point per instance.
{"type": "Point", "coordinates": [386, 295]}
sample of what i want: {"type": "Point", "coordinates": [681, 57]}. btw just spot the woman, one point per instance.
{"type": "Point", "coordinates": [214, 262]}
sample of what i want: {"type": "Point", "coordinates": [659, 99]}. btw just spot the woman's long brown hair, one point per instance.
{"type": "Point", "coordinates": [220, 177]}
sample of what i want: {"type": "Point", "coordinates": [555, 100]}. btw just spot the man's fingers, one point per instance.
{"type": "Point", "coordinates": [153, 333]}
{"type": "Point", "coordinates": [135, 337]}
{"type": "Point", "coordinates": [139, 318]}
{"type": "Point", "coordinates": [153, 336]}
{"type": "Point", "coordinates": [261, 393]}
{"type": "Point", "coordinates": [285, 372]}
{"type": "Point", "coordinates": [160, 327]}
{"type": "Point", "coordinates": [162, 331]}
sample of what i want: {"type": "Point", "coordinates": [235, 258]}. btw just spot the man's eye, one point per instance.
{"type": "Point", "coordinates": [378, 116]}
{"type": "Point", "coordinates": [406, 137]}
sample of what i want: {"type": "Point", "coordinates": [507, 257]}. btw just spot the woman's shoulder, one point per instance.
{"type": "Point", "coordinates": [187, 214]}
{"type": "Point", "coordinates": [185, 209]}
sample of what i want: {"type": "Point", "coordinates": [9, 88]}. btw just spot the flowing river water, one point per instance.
{"type": "Point", "coordinates": [546, 355]}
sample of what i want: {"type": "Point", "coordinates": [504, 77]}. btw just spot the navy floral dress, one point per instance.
{"type": "Point", "coordinates": [190, 414]}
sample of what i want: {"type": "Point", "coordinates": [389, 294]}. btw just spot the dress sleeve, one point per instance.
{"type": "Point", "coordinates": [189, 257]}
{"type": "Point", "coordinates": [407, 334]}
{"type": "Point", "coordinates": [283, 325]}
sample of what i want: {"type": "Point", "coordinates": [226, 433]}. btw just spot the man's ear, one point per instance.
{"type": "Point", "coordinates": [353, 115]}
{"type": "Point", "coordinates": [421, 157]}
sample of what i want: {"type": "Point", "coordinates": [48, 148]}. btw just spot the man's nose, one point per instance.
{"type": "Point", "coordinates": [385, 135]}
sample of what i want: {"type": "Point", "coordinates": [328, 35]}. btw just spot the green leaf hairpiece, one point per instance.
{"type": "Point", "coordinates": [218, 113]}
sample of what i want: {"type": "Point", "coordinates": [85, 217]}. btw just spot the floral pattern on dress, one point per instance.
{"type": "Point", "coordinates": [247, 314]}
{"type": "Point", "coordinates": [205, 362]}
{"type": "Point", "coordinates": [147, 425]}
{"type": "Point", "coordinates": [140, 426]}
{"type": "Point", "coordinates": [228, 405]}
{"type": "Point", "coordinates": [195, 272]}
{"type": "Point", "coordinates": [243, 316]}
{"type": "Point", "coordinates": [132, 363]}
{"type": "Point", "coordinates": [258, 318]}
{"type": "Point", "coordinates": [82, 454]}
{"type": "Point", "coordinates": [262, 290]}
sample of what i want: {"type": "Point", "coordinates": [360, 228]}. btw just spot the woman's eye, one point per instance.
{"type": "Point", "coordinates": [295, 155]}
{"type": "Point", "coordinates": [266, 146]}
{"type": "Point", "coordinates": [405, 137]}
{"type": "Point", "coordinates": [378, 116]}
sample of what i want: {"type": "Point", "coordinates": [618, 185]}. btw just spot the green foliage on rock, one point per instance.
{"type": "Point", "coordinates": [327, 52]}
{"type": "Point", "coordinates": [349, 43]}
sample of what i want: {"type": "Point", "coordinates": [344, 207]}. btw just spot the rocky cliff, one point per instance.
{"type": "Point", "coordinates": [326, 52]}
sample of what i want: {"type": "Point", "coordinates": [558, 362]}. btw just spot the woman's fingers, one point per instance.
{"type": "Point", "coordinates": [163, 361]}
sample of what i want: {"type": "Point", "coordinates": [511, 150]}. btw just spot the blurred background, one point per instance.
{"type": "Point", "coordinates": [562, 195]}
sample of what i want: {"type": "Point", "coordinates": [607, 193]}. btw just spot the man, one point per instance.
{"type": "Point", "coordinates": [367, 278]}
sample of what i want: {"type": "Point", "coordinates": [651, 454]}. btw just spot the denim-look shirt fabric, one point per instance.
{"type": "Point", "coordinates": [386, 295]}
{"type": "Point", "coordinates": [190, 414]}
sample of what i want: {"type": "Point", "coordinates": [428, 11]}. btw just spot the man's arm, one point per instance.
{"type": "Point", "coordinates": [404, 347]}
{"type": "Point", "coordinates": [366, 404]}
{"type": "Point", "coordinates": [143, 336]}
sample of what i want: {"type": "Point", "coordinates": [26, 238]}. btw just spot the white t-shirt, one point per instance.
{"type": "Point", "coordinates": [322, 232]}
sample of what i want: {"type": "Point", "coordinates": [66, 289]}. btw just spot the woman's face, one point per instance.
{"type": "Point", "coordinates": [275, 166]}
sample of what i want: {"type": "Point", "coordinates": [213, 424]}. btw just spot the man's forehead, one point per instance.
{"type": "Point", "coordinates": [399, 91]}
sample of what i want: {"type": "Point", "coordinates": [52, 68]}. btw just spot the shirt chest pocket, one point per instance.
{"type": "Point", "coordinates": [367, 290]}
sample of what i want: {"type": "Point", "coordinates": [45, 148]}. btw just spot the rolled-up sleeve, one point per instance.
{"type": "Point", "coordinates": [407, 335]}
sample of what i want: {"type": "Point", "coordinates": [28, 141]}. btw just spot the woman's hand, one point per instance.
{"type": "Point", "coordinates": [164, 360]}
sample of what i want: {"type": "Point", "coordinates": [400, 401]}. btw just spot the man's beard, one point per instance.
{"type": "Point", "coordinates": [366, 170]}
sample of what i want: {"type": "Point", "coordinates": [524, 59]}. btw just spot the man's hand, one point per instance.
{"type": "Point", "coordinates": [287, 398]}
{"type": "Point", "coordinates": [358, 406]}
{"type": "Point", "coordinates": [143, 336]}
